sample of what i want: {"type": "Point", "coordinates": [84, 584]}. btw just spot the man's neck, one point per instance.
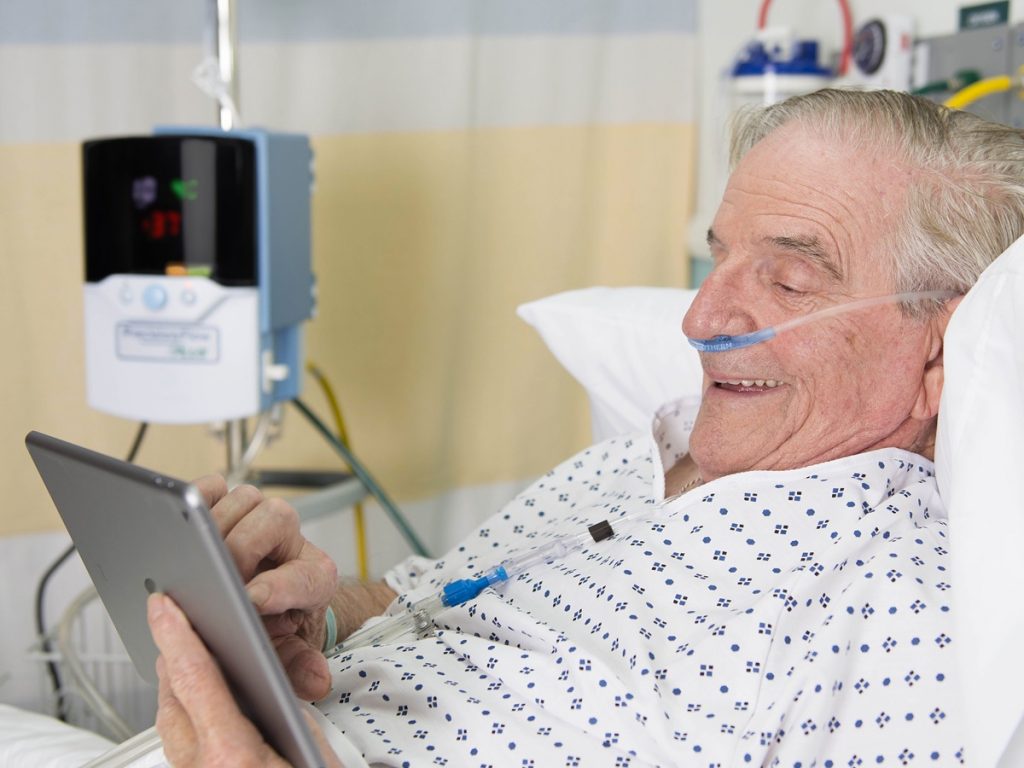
{"type": "Point", "coordinates": [681, 477]}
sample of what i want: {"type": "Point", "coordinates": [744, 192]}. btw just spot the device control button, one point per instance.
{"type": "Point", "coordinates": [125, 294]}
{"type": "Point", "coordinates": [188, 297]}
{"type": "Point", "coordinates": [154, 297]}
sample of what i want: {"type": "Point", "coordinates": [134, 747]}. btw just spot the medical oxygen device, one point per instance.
{"type": "Point", "coordinates": [198, 274]}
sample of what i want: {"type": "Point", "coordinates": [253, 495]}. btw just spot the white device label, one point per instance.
{"type": "Point", "coordinates": [168, 342]}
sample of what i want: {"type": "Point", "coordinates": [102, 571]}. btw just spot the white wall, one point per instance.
{"type": "Point", "coordinates": [725, 26]}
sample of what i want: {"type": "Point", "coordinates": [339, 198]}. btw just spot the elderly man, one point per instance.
{"type": "Point", "coordinates": [777, 591]}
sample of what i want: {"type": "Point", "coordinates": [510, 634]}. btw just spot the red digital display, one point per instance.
{"type": "Point", "coordinates": [157, 224]}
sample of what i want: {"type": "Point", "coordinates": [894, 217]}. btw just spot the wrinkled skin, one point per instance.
{"type": "Point", "coordinates": [790, 238]}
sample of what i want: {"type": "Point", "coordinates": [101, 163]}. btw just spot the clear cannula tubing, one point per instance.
{"type": "Point", "coordinates": [725, 343]}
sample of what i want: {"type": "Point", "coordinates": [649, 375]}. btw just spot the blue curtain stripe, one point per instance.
{"type": "Point", "coordinates": [180, 21]}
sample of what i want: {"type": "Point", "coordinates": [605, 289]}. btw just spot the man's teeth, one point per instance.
{"type": "Point", "coordinates": [754, 383]}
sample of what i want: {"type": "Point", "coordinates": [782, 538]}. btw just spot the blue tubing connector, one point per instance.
{"type": "Point", "coordinates": [459, 592]}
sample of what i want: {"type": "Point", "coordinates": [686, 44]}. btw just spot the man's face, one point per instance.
{"type": "Point", "coordinates": [801, 227]}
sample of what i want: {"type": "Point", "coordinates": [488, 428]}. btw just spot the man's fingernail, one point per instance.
{"type": "Point", "coordinates": [259, 594]}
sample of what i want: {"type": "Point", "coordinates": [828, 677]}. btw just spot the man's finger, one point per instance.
{"type": "Point", "coordinates": [192, 676]}
{"type": "Point", "coordinates": [212, 487]}
{"type": "Point", "coordinates": [307, 583]}
{"type": "Point", "coordinates": [172, 722]}
{"type": "Point", "coordinates": [306, 667]}
{"type": "Point", "coordinates": [269, 532]}
{"type": "Point", "coordinates": [233, 507]}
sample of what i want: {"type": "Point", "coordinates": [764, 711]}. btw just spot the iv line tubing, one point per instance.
{"type": "Point", "coordinates": [359, 518]}
{"type": "Point", "coordinates": [366, 478]}
{"type": "Point", "coordinates": [725, 343]}
{"type": "Point", "coordinates": [418, 617]}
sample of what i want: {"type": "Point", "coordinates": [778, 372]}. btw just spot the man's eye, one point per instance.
{"type": "Point", "coordinates": [789, 289]}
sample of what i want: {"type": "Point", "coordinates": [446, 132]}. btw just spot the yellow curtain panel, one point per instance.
{"type": "Point", "coordinates": [469, 156]}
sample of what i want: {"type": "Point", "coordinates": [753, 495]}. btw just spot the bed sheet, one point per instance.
{"type": "Point", "coordinates": [32, 740]}
{"type": "Point", "coordinates": [29, 739]}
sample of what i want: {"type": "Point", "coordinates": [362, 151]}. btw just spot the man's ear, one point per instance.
{"type": "Point", "coordinates": [927, 404]}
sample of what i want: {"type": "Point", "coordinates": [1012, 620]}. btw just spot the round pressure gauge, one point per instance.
{"type": "Point", "coordinates": [869, 47]}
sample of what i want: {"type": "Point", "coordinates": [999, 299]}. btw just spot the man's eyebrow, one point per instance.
{"type": "Point", "coordinates": [810, 248]}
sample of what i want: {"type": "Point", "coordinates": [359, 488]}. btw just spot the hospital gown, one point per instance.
{"type": "Point", "coordinates": [791, 618]}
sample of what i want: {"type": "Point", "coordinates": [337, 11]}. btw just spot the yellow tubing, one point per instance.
{"type": "Point", "coordinates": [339, 424]}
{"type": "Point", "coordinates": [979, 90]}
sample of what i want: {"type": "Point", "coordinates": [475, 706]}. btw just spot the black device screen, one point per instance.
{"type": "Point", "coordinates": [170, 205]}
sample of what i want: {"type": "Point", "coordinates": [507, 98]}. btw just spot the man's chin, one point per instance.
{"type": "Point", "coordinates": [720, 448]}
{"type": "Point", "coordinates": [713, 457]}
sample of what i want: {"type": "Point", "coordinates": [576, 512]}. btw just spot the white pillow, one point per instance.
{"type": "Point", "coordinates": [979, 458]}
{"type": "Point", "coordinates": [625, 346]}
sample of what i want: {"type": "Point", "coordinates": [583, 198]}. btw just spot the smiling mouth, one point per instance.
{"type": "Point", "coordinates": [748, 385]}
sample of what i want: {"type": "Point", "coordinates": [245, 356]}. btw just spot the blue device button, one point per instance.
{"type": "Point", "coordinates": [154, 297]}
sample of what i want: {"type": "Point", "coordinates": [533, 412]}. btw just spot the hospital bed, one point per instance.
{"type": "Point", "coordinates": [625, 347]}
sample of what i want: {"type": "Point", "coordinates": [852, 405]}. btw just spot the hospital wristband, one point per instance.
{"type": "Point", "coordinates": [331, 639]}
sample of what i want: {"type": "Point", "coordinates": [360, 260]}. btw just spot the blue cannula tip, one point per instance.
{"type": "Point", "coordinates": [463, 590]}
{"type": "Point", "coordinates": [724, 343]}
{"type": "Point", "coordinates": [720, 343]}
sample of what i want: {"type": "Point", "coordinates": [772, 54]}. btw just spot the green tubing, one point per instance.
{"type": "Point", "coordinates": [366, 478]}
{"type": "Point", "coordinates": [936, 86]}
{"type": "Point", "coordinates": [960, 80]}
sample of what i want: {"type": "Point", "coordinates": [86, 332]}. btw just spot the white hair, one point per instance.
{"type": "Point", "coordinates": [966, 204]}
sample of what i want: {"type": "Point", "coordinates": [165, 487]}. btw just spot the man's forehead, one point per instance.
{"type": "Point", "coordinates": [797, 193]}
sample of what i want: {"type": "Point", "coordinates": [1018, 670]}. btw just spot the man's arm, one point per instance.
{"type": "Point", "coordinates": [356, 601]}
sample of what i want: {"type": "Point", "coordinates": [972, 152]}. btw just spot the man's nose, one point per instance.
{"type": "Point", "coordinates": [721, 305]}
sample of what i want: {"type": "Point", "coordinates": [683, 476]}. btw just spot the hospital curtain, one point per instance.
{"type": "Point", "coordinates": [470, 155]}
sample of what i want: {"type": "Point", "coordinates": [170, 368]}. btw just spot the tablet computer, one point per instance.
{"type": "Point", "coordinates": [138, 532]}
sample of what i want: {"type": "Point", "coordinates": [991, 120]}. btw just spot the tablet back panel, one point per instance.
{"type": "Point", "coordinates": [138, 532]}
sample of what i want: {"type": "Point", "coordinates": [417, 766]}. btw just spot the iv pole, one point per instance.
{"type": "Point", "coordinates": [224, 36]}
{"type": "Point", "coordinates": [225, 45]}
{"type": "Point", "coordinates": [339, 489]}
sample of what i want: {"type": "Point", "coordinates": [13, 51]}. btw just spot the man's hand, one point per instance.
{"type": "Point", "coordinates": [290, 581]}
{"type": "Point", "coordinates": [197, 719]}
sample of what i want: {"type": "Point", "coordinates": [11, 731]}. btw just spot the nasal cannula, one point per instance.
{"type": "Point", "coordinates": [725, 343]}
{"type": "Point", "coordinates": [418, 617]}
